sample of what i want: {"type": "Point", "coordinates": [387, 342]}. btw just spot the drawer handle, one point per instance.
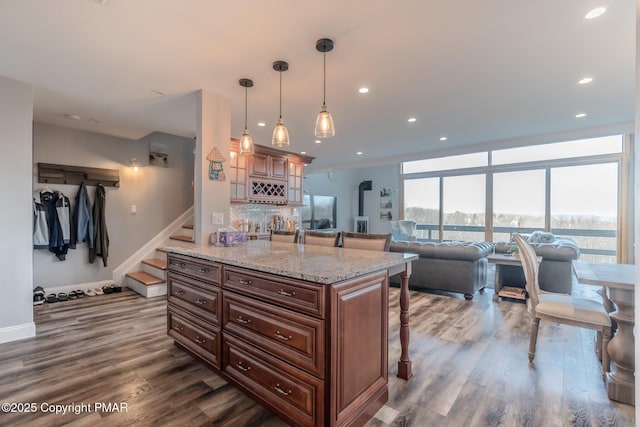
{"type": "Point", "coordinates": [203, 270]}
{"type": "Point", "coordinates": [281, 391]}
{"type": "Point", "coordinates": [178, 293]}
{"type": "Point", "coordinates": [241, 320]}
{"type": "Point", "coordinates": [286, 294]}
{"type": "Point", "coordinates": [200, 301]}
{"type": "Point", "coordinates": [178, 327]}
{"type": "Point", "coordinates": [244, 282]}
{"type": "Point", "coordinates": [282, 337]}
{"type": "Point", "coordinates": [180, 264]}
{"type": "Point", "coordinates": [199, 340]}
{"type": "Point", "coordinates": [240, 366]}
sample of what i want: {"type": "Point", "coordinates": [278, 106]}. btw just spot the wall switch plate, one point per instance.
{"type": "Point", "coordinates": [217, 218]}
{"type": "Point", "coordinates": [133, 209]}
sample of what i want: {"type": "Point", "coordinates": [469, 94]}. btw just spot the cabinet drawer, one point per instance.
{"type": "Point", "coordinates": [288, 293]}
{"type": "Point", "coordinates": [201, 269]}
{"type": "Point", "coordinates": [296, 396]}
{"type": "Point", "coordinates": [201, 339]}
{"type": "Point", "coordinates": [294, 337]}
{"type": "Point", "coordinates": [185, 293]}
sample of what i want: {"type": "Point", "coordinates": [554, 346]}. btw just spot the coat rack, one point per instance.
{"type": "Point", "coordinates": [75, 175]}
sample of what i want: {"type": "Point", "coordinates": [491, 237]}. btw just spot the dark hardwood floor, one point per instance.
{"type": "Point", "coordinates": [469, 361]}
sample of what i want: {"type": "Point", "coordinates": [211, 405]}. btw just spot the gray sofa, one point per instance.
{"type": "Point", "coordinates": [451, 266]}
{"type": "Point", "coordinates": [556, 268]}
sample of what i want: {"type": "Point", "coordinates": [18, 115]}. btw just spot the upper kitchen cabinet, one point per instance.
{"type": "Point", "coordinates": [267, 176]}
{"type": "Point", "coordinates": [262, 165]}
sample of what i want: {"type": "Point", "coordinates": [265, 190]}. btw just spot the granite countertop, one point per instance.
{"type": "Point", "coordinates": [318, 264]}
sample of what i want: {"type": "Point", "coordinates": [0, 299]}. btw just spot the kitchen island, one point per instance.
{"type": "Point", "coordinates": [303, 330]}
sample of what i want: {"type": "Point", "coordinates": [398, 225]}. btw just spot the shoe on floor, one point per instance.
{"type": "Point", "coordinates": [38, 290]}
{"type": "Point", "coordinates": [62, 296]}
{"type": "Point", "coordinates": [38, 299]}
{"type": "Point", "coordinates": [107, 289]}
{"type": "Point", "coordinates": [52, 298]}
{"type": "Point", "coordinates": [90, 293]}
{"type": "Point", "coordinates": [79, 293]}
{"type": "Point", "coordinates": [72, 295]}
{"type": "Point", "coordinates": [98, 291]}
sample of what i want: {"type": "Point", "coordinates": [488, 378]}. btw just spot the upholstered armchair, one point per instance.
{"type": "Point", "coordinates": [403, 230]}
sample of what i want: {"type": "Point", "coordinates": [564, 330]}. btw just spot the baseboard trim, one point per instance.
{"type": "Point", "coordinates": [17, 332]}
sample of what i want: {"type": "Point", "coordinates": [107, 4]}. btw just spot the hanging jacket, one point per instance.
{"type": "Point", "coordinates": [40, 226]}
{"type": "Point", "coordinates": [100, 234]}
{"type": "Point", "coordinates": [82, 219]}
{"type": "Point", "coordinates": [57, 244]}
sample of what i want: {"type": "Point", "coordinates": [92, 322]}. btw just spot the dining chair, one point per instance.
{"type": "Point", "coordinates": [284, 236]}
{"type": "Point", "coordinates": [560, 308]}
{"type": "Point", "coordinates": [370, 241]}
{"type": "Point", "coordinates": [321, 238]}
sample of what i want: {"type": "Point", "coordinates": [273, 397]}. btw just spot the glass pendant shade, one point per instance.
{"type": "Point", "coordinates": [246, 143]}
{"type": "Point", "coordinates": [324, 121]}
{"type": "Point", "coordinates": [280, 135]}
{"type": "Point", "coordinates": [324, 124]}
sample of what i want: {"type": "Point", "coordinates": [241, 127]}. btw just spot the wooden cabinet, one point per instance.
{"type": "Point", "coordinates": [296, 176]}
{"type": "Point", "coordinates": [194, 306]}
{"type": "Point", "coordinates": [314, 354]}
{"type": "Point", "coordinates": [267, 176]}
{"type": "Point", "coordinates": [237, 176]}
{"type": "Point", "coordinates": [268, 166]}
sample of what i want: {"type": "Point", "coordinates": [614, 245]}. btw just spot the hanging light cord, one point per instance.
{"type": "Point", "coordinates": [280, 93]}
{"type": "Point", "coordinates": [324, 78]}
{"type": "Point", "coordinates": [245, 108]}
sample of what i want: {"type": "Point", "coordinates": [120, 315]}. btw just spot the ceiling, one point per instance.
{"type": "Point", "coordinates": [477, 72]}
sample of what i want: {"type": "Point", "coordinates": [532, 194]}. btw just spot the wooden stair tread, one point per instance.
{"type": "Point", "coordinates": [188, 226]}
{"type": "Point", "coordinates": [182, 238]}
{"type": "Point", "coordinates": [145, 278]}
{"type": "Point", "coordinates": [155, 262]}
{"type": "Point", "coordinates": [162, 249]}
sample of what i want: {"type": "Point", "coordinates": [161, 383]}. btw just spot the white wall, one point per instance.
{"type": "Point", "coordinates": [16, 306]}
{"type": "Point", "coordinates": [345, 187]}
{"type": "Point", "coordinates": [213, 130]}
{"type": "Point", "coordinates": [159, 194]}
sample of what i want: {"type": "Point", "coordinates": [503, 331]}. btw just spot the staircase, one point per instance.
{"type": "Point", "coordinates": [151, 279]}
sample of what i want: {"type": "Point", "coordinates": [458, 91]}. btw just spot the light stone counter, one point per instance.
{"type": "Point", "coordinates": [318, 264]}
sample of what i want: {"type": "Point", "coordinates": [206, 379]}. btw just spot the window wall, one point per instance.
{"type": "Point", "coordinates": [570, 188]}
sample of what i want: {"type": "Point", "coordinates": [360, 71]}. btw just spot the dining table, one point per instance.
{"type": "Point", "coordinates": [619, 282]}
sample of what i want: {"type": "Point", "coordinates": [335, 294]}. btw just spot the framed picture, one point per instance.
{"type": "Point", "coordinates": [158, 154]}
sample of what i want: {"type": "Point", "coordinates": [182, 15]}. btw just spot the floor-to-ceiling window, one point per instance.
{"type": "Point", "coordinates": [570, 188]}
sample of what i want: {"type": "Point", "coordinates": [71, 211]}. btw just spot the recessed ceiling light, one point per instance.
{"type": "Point", "coordinates": [581, 115]}
{"type": "Point", "coordinates": [585, 80]}
{"type": "Point", "coordinates": [411, 119]}
{"type": "Point", "coordinates": [359, 153]}
{"type": "Point", "coordinates": [157, 93]}
{"type": "Point", "coordinates": [595, 12]}
{"type": "Point", "coordinates": [262, 124]}
{"type": "Point", "coordinates": [72, 116]}
{"type": "Point", "coordinates": [363, 90]}
{"type": "Point", "coordinates": [317, 141]}
{"type": "Point", "coordinates": [443, 138]}
{"type": "Point", "coordinates": [303, 152]}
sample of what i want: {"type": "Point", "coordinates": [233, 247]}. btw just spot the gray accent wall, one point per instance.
{"type": "Point", "coordinates": [16, 116]}
{"type": "Point", "coordinates": [160, 195]}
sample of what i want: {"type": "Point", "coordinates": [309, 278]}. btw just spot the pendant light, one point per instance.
{"type": "Point", "coordinates": [280, 133]}
{"type": "Point", "coordinates": [324, 122]}
{"type": "Point", "coordinates": [246, 143]}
